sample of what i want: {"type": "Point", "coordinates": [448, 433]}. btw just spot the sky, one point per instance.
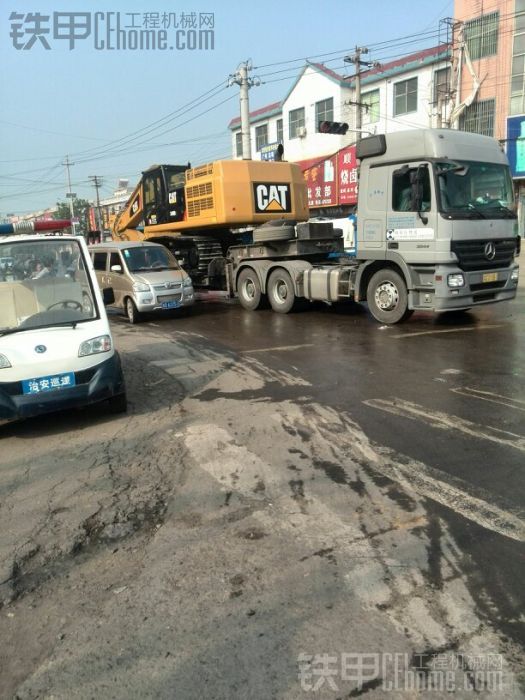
{"type": "Point", "coordinates": [114, 111]}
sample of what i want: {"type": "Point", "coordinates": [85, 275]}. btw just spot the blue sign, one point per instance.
{"type": "Point", "coordinates": [516, 145]}
{"type": "Point", "coordinates": [268, 151]}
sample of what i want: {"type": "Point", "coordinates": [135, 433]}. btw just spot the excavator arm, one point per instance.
{"type": "Point", "coordinates": [127, 220]}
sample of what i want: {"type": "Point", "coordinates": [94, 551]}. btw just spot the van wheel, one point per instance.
{"type": "Point", "coordinates": [249, 290]}
{"type": "Point", "coordinates": [131, 311]}
{"type": "Point", "coordinates": [281, 291]}
{"type": "Point", "coordinates": [387, 297]}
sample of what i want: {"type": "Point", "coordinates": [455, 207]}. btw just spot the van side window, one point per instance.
{"type": "Point", "coordinates": [114, 259]}
{"type": "Point", "coordinates": [99, 261]}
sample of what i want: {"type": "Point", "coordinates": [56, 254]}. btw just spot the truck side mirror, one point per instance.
{"type": "Point", "coordinates": [108, 296]}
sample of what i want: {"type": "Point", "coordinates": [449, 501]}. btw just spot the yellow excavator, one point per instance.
{"type": "Point", "coordinates": [199, 212]}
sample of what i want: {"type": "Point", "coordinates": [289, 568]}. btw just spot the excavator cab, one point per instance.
{"type": "Point", "coordinates": [163, 187]}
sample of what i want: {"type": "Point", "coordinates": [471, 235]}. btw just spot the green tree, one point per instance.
{"type": "Point", "coordinates": [80, 207]}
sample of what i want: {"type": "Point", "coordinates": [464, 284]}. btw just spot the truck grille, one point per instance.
{"type": "Point", "coordinates": [472, 254]}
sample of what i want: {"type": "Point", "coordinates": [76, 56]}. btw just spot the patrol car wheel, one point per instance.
{"type": "Point", "coordinates": [117, 404]}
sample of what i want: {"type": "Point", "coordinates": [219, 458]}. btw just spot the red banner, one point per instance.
{"type": "Point", "coordinates": [347, 176]}
{"type": "Point", "coordinates": [332, 181]}
{"type": "Point", "coordinates": [321, 181]}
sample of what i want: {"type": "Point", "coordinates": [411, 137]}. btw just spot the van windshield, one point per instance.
{"type": "Point", "coordinates": [43, 283]}
{"type": "Point", "coordinates": [149, 258]}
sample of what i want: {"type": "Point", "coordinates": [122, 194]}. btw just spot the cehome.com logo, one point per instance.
{"type": "Point", "coordinates": [272, 197]}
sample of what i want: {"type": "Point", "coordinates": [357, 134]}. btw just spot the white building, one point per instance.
{"type": "Point", "coordinates": [407, 93]}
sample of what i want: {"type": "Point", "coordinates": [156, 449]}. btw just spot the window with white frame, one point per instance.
{"type": "Point", "coordinates": [238, 144]}
{"type": "Point", "coordinates": [370, 106]}
{"type": "Point", "coordinates": [479, 117]}
{"type": "Point", "coordinates": [405, 97]}
{"type": "Point", "coordinates": [261, 136]}
{"type": "Point", "coordinates": [517, 82]}
{"type": "Point", "coordinates": [481, 35]}
{"type": "Point", "coordinates": [441, 85]}
{"type": "Point", "coordinates": [279, 131]}
{"type": "Point", "coordinates": [324, 111]}
{"type": "Point", "coordinates": [296, 122]}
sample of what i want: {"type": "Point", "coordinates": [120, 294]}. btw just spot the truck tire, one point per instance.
{"type": "Point", "coordinates": [281, 291]}
{"type": "Point", "coordinates": [267, 234]}
{"type": "Point", "coordinates": [387, 297]}
{"type": "Point", "coordinates": [249, 289]}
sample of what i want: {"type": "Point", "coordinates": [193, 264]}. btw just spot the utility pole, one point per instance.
{"type": "Point", "coordinates": [355, 58]}
{"type": "Point", "coordinates": [70, 194]}
{"type": "Point", "coordinates": [245, 83]}
{"type": "Point", "coordinates": [97, 182]}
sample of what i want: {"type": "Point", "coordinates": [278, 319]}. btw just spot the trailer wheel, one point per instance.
{"type": "Point", "coordinates": [387, 297]}
{"type": "Point", "coordinates": [249, 289]}
{"type": "Point", "coordinates": [281, 291]}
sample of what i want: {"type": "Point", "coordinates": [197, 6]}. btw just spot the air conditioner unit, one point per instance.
{"type": "Point", "coordinates": [301, 132]}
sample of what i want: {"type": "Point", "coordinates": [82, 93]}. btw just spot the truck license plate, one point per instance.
{"type": "Point", "coordinates": [490, 277]}
{"type": "Point", "coordinates": [40, 385]}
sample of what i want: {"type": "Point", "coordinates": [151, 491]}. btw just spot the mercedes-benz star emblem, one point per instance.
{"type": "Point", "coordinates": [490, 250]}
{"type": "Point", "coordinates": [40, 349]}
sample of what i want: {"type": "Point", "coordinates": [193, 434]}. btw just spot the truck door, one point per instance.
{"type": "Point", "coordinates": [411, 219]}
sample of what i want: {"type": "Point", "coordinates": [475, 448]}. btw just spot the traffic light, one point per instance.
{"type": "Point", "coordinates": [333, 128]}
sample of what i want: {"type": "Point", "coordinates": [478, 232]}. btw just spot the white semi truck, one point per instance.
{"type": "Point", "coordinates": [436, 230]}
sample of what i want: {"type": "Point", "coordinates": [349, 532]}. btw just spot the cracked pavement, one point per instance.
{"type": "Point", "coordinates": [259, 507]}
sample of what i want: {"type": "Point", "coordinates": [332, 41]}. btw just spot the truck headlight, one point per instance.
{"type": "Point", "coordinates": [4, 362]}
{"type": "Point", "coordinates": [102, 343]}
{"type": "Point", "coordinates": [187, 282]}
{"type": "Point", "coordinates": [456, 280]}
{"type": "Point", "coordinates": [515, 274]}
{"type": "Point", "coordinates": [139, 287]}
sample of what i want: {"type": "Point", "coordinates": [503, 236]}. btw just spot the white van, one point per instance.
{"type": "Point", "coordinates": [56, 349]}
{"type": "Point", "coordinates": [144, 277]}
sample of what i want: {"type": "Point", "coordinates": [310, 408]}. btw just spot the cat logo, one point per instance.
{"type": "Point", "coordinates": [272, 198]}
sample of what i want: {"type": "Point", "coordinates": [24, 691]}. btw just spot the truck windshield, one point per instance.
{"type": "Point", "coordinates": [471, 189]}
{"type": "Point", "coordinates": [43, 283]}
{"type": "Point", "coordinates": [149, 259]}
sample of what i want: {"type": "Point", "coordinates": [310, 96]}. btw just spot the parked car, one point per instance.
{"type": "Point", "coordinates": [56, 349]}
{"type": "Point", "coordinates": [144, 277]}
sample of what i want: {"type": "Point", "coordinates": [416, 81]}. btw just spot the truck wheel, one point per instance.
{"type": "Point", "coordinates": [281, 291]}
{"type": "Point", "coordinates": [131, 311]}
{"type": "Point", "coordinates": [249, 290]}
{"type": "Point", "coordinates": [265, 234]}
{"type": "Point", "coordinates": [387, 297]}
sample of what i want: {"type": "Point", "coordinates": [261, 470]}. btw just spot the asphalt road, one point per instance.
{"type": "Point", "coordinates": [286, 495]}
